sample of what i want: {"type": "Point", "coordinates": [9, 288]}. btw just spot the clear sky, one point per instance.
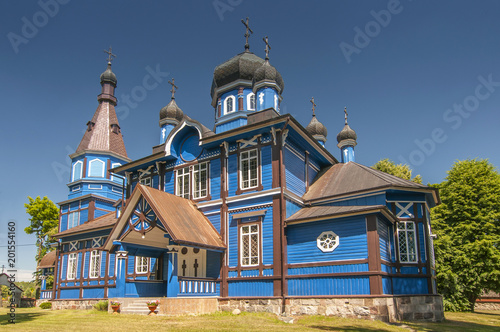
{"type": "Point", "coordinates": [420, 79]}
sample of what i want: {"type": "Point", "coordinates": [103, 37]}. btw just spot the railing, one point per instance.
{"type": "Point", "coordinates": [46, 295]}
{"type": "Point", "coordinates": [198, 287]}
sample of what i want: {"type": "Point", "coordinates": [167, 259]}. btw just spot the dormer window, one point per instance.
{"type": "Point", "coordinates": [96, 168]}
{"type": "Point", "coordinates": [251, 101]}
{"type": "Point", "coordinates": [90, 125]}
{"type": "Point", "coordinates": [229, 105]}
{"type": "Point", "coordinates": [115, 128]}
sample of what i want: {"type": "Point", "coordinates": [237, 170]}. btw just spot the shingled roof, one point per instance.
{"type": "Point", "coordinates": [100, 134]}
{"type": "Point", "coordinates": [351, 177]}
{"type": "Point", "coordinates": [105, 221]}
{"type": "Point", "coordinates": [48, 261]}
{"type": "Point", "coordinates": [330, 212]}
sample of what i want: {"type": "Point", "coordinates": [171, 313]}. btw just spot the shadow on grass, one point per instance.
{"type": "Point", "coordinates": [449, 325]}
{"type": "Point", "coordinates": [20, 317]}
{"type": "Point", "coordinates": [345, 329]}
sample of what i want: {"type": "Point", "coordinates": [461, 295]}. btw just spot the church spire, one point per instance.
{"type": "Point", "coordinates": [103, 132]}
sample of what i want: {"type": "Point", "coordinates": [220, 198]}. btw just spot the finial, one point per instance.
{"type": "Point", "coordinates": [268, 47]}
{"type": "Point", "coordinates": [172, 83]}
{"type": "Point", "coordinates": [247, 46]}
{"type": "Point", "coordinates": [110, 55]}
{"type": "Point", "coordinates": [313, 105]}
{"type": "Point", "coordinates": [345, 115]}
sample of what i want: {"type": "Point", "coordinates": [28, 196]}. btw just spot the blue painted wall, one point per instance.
{"type": "Point", "coordinates": [329, 286]}
{"type": "Point", "coordinates": [250, 288]}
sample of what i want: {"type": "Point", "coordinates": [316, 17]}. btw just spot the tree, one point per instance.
{"type": "Point", "coordinates": [44, 219]}
{"type": "Point", "coordinates": [401, 170]}
{"type": "Point", "coordinates": [468, 233]}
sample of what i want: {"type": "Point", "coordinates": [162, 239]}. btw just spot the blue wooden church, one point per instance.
{"type": "Point", "coordinates": [256, 208]}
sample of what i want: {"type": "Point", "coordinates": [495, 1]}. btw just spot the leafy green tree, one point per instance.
{"type": "Point", "coordinates": [44, 219]}
{"type": "Point", "coordinates": [468, 233]}
{"type": "Point", "coordinates": [400, 170]}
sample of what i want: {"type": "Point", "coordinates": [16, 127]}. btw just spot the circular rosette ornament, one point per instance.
{"type": "Point", "coordinates": [327, 241]}
{"type": "Point", "coordinates": [143, 219]}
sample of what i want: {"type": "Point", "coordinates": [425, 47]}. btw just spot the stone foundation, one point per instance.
{"type": "Point", "coordinates": [72, 304]}
{"type": "Point", "coordinates": [387, 309]}
{"type": "Point", "coordinates": [174, 306]}
{"type": "Point", "coordinates": [487, 306]}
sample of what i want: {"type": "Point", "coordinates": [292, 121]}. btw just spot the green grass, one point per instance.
{"type": "Point", "coordinates": [36, 319]}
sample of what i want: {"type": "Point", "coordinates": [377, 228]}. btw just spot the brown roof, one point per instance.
{"type": "Point", "coordinates": [352, 177]}
{"type": "Point", "coordinates": [179, 216]}
{"type": "Point", "coordinates": [329, 212]}
{"type": "Point", "coordinates": [105, 221]}
{"type": "Point", "coordinates": [49, 260]}
{"type": "Point", "coordinates": [101, 137]}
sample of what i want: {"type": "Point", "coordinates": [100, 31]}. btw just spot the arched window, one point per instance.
{"type": "Point", "coordinates": [77, 170]}
{"type": "Point", "coordinates": [251, 101]}
{"type": "Point", "coordinates": [229, 104]}
{"type": "Point", "coordinates": [116, 178]}
{"type": "Point", "coordinates": [96, 168]}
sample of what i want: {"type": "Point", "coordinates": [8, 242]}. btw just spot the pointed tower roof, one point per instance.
{"type": "Point", "coordinates": [103, 131]}
{"type": "Point", "coordinates": [316, 128]}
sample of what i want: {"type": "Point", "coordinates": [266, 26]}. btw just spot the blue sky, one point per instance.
{"type": "Point", "coordinates": [420, 79]}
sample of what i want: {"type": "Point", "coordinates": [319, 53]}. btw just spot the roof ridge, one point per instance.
{"type": "Point", "coordinates": [378, 174]}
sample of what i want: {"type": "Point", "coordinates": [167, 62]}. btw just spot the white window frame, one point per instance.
{"type": "Point", "coordinates": [198, 170]}
{"type": "Point", "coordinates": [95, 264]}
{"type": "Point", "coordinates": [73, 176]}
{"type": "Point", "coordinates": [181, 176]}
{"type": "Point", "coordinates": [251, 96]}
{"type": "Point", "coordinates": [404, 234]}
{"type": "Point", "coordinates": [93, 186]}
{"type": "Point", "coordinates": [327, 241]}
{"type": "Point", "coordinates": [141, 264]}
{"type": "Point", "coordinates": [233, 104]}
{"type": "Point", "coordinates": [248, 235]}
{"type": "Point", "coordinates": [93, 161]}
{"type": "Point", "coordinates": [146, 181]}
{"type": "Point", "coordinates": [115, 177]}
{"type": "Point", "coordinates": [72, 266]}
{"type": "Point", "coordinates": [76, 188]}
{"type": "Point", "coordinates": [246, 184]}
{"type": "Point", "coordinates": [71, 216]}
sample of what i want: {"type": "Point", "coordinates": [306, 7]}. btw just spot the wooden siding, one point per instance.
{"type": "Point", "coordinates": [421, 239]}
{"type": "Point", "coordinates": [409, 286]}
{"type": "Point", "coordinates": [250, 288]}
{"type": "Point", "coordinates": [329, 286]}
{"type": "Point", "coordinates": [386, 285]}
{"type": "Point", "coordinates": [112, 263]}
{"type": "Point", "coordinates": [345, 268]}
{"type": "Point", "coordinates": [384, 240]}
{"type": "Point", "coordinates": [215, 220]}
{"type": "Point", "coordinates": [70, 293]}
{"type": "Point", "coordinates": [145, 289]}
{"type": "Point", "coordinates": [230, 124]}
{"type": "Point", "coordinates": [232, 169]}
{"type": "Point", "coordinates": [93, 293]}
{"type": "Point", "coordinates": [302, 246]}
{"type": "Point", "coordinates": [169, 182]}
{"type": "Point", "coordinates": [214, 184]}
{"type": "Point", "coordinates": [267, 172]}
{"type": "Point", "coordinates": [291, 208]}
{"type": "Point", "coordinates": [368, 200]}
{"type": "Point", "coordinates": [295, 172]}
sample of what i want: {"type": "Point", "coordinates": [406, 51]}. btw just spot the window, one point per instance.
{"type": "Point", "coordinates": [249, 245]}
{"type": "Point", "coordinates": [72, 265]}
{"type": "Point", "coordinates": [327, 241]}
{"type": "Point", "coordinates": [141, 264]}
{"type": "Point", "coordinates": [73, 219]}
{"type": "Point", "coordinates": [96, 168]}
{"type": "Point", "coordinates": [95, 186]}
{"type": "Point", "coordinates": [95, 264]}
{"type": "Point", "coordinates": [407, 242]}
{"type": "Point", "coordinates": [248, 169]}
{"type": "Point", "coordinates": [229, 105]}
{"type": "Point", "coordinates": [183, 184]}
{"type": "Point", "coordinates": [114, 177]}
{"type": "Point", "coordinates": [146, 182]}
{"type": "Point", "coordinates": [77, 170]}
{"type": "Point", "coordinates": [200, 180]}
{"type": "Point", "coordinates": [251, 101]}
{"type": "Point", "coordinates": [76, 188]}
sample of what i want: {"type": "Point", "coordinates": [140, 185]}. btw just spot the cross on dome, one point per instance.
{"type": "Point", "coordinates": [247, 46]}
{"type": "Point", "coordinates": [345, 115]}
{"type": "Point", "coordinates": [313, 105]}
{"type": "Point", "coordinates": [110, 55]}
{"type": "Point", "coordinates": [268, 47]}
{"type": "Point", "coordinates": [172, 83]}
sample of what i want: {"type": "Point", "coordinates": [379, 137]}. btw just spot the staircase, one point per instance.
{"type": "Point", "coordinates": [138, 307]}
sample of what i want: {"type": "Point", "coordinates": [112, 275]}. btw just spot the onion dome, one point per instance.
{"type": "Point", "coordinates": [171, 111]}
{"type": "Point", "coordinates": [346, 133]}
{"type": "Point", "coordinates": [108, 76]}
{"type": "Point", "coordinates": [267, 73]}
{"type": "Point", "coordinates": [239, 67]}
{"type": "Point", "coordinates": [317, 129]}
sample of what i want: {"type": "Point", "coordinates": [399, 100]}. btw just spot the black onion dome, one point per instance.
{"type": "Point", "coordinates": [108, 76]}
{"type": "Point", "coordinates": [346, 133]}
{"type": "Point", "coordinates": [268, 73]}
{"type": "Point", "coordinates": [171, 111]}
{"type": "Point", "coordinates": [241, 66]}
{"type": "Point", "coordinates": [316, 128]}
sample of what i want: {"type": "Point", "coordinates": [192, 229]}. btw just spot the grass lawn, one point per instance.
{"type": "Point", "coordinates": [36, 319]}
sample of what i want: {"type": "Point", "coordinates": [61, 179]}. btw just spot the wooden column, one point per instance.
{"type": "Point", "coordinates": [374, 262]}
{"type": "Point", "coordinates": [276, 164]}
{"type": "Point", "coordinates": [223, 221]}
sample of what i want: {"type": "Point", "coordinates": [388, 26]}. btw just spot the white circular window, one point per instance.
{"type": "Point", "coordinates": [327, 241]}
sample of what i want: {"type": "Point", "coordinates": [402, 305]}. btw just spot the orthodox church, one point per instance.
{"type": "Point", "coordinates": [255, 209]}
